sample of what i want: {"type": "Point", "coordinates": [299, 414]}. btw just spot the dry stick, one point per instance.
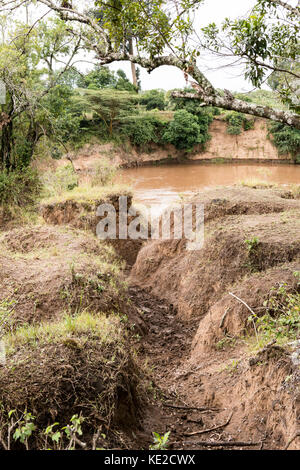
{"type": "Point", "coordinates": [5, 447]}
{"type": "Point", "coordinates": [292, 440]}
{"type": "Point", "coordinates": [211, 429]}
{"type": "Point", "coordinates": [190, 408]}
{"type": "Point", "coordinates": [220, 443]}
{"type": "Point", "coordinates": [82, 444]}
{"type": "Point", "coordinates": [250, 309]}
{"type": "Point", "coordinates": [223, 318]}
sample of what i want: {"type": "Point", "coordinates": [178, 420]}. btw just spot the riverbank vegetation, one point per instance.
{"type": "Point", "coordinates": [49, 110]}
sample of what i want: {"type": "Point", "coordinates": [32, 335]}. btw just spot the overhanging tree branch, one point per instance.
{"type": "Point", "coordinates": [205, 90]}
{"type": "Point", "coordinates": [229, 102]}
{"type": "Point", "coordinates": [294, 10]}
{"type": "Point", "coordinates": [99, 42]}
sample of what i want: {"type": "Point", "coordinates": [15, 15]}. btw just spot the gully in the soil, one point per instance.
{"type": "Point", "coordinates": [176, 222]}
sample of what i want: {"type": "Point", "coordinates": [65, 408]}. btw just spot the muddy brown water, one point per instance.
{"type": "Point", "coordinates": [160, 186]}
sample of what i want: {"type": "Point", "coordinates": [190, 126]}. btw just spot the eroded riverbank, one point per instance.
{"type": "Point", "coordinates": [186, 358]}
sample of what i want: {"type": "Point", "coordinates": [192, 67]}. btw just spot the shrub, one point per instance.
{"type": "Point", "coordinates": [104, 172]}
{"type": "Point", "coordinates": [286, 139]}
{"type": "Point", "coordinates": [153, 99]}
{"type": "Point", "coordinates": [281, 319]}
{"type": "Point", "coordinates": [248, 124]}
{"type": "Point", "coordinates": [19, 188]}
{"type": "Point", "coordinates": [234, 123]}
{"type": "Point", "coordinates": [205, 118]}
{"type": "Point", "coordinates": [63, 179]}
{"type": "Point", "coordinates": [143, 129]}
{"type": "Point", "coordinates": [238, 121]}
{"type": "Point", "coordinates": [184, 131]}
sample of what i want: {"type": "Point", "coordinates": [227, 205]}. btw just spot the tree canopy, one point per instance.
{"type": "Point", "coordinates": [35, 97]}
{"type": "Point", "coordinates": [164, 33]}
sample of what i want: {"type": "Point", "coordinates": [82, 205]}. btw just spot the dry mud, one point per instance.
{"type": "Point", "coordinates": [170, 374]}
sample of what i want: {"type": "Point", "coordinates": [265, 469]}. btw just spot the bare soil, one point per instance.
{"type": "Point", "coordinates": [179, 380]}
{"type": "Point", "coordinates": [49, 270]}
{"type": "Point", "coordinates": [245, 399]}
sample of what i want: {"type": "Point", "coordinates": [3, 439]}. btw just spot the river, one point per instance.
{"type": "Point", "coordinates": [162, 185]}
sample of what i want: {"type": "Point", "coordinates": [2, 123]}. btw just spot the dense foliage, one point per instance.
{"type": "Point", "coordinates": [50, 104]}
{"type": "Point", "coordinates": [236, 122]}
{"type": "Point", "coordinates": [153, 99]}
{"type": "Point", "coordinates": [286, 139]}
{"type": "Point", "coordinates": [183, 131]}
{"type": "Point", "coordinates": [19, 188]}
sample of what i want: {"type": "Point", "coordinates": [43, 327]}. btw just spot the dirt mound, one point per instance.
{"type": "Point", "coordinates": [227, 318]}
{"type": "Point", "coordinates": [46, 271]}
{"type": "Point", "coordinates": [241, 237]}
{"type": "Point", "coordinates": [238, 200]}
{"type": "Point", "coordinates": [234, 247]}
{"type": "Point", "coordinates": [259, 393]}
{"type": "Point", "coordinates": [83, 215]}
{"type": "Point", "coordinates": [251, 245]}
{"type": "Point", "coordinates": [80, 366]}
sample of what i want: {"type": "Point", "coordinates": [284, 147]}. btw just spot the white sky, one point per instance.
{"type": "Point", "coordinates": [231, 78]}
{"type": "Point", "coordinates": [168, 78]}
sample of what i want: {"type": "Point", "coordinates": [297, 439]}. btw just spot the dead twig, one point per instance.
{"type": "Point", "coordinates": [292, 440]}
{"type": "Point", "coordinates": [253, 314]}
{"type": "Point", "coordinates": [220, 443]}
{"type": "Point", "coordinates": [196, 408]}
{"type": "Point", "coordinates": [210, 429]}
{"type": "Point", "coordinates": [223, 318]}
{"type": "Point", "coordinates": [82, 444]}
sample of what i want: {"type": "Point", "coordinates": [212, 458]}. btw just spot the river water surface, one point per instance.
{"type": "Point", "coordinates": [160, 186]}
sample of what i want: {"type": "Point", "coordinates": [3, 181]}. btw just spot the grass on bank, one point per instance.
{"type": "Point", "coordinates": [23, 190]}
{"type": "Point", "coordinates": [256, 183]}
{"type": "Point", "coordinates": [74, 331]}
{"type": "Point", "coordinates": [278, 320]}
{"type": "Point", "coordinates": [88, 193]}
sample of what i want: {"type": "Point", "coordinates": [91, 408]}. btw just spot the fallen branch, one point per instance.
{"type": "Point", "coordinates": [196, 408]}
{"type": "Point", "coordinates": [210, 429]}
{"type": "Point", "coordinates": [223, 318]}
{"type": "Point", "coordinates": [220, 443]}
{"type": "Point", "coordinates": [250, 309]}
{"type": "Point", "coordinates": [292, 440]}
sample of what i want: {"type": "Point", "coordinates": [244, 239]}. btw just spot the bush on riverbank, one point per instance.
{"type": "Point", "coordinates": [19, 187]}
{"type": "Point", "coordinates": [286, 139]}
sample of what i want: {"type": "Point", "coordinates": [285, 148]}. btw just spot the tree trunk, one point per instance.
{"type": "Point", "coordinates": [6, 147]}
{"type": "Point", "coordinates": [31, 140]}
{"type": "Point", "coordinates": [133, 69]}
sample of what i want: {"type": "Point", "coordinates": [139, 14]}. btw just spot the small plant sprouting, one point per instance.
{"type": "Point", "coordinates": [55, 435]}
{"type": "Point", "coordinates": [25, 429]}
{"type": "Point", "coordinates": [226, 342]}
{"type": "Point", "coordinates": [281, 320]}
{"type": "Point", "coordinates": [160, 442]}
{"type": "Point", "coordinates": [72, 430]}
{"type": "Point", "coordinates": [7, 307]}
{"type": "Point", "coordinates": [232, 368]}
{"type": "Point", "coordinates": [21, 428]}
{"type": "Point", "coordinates": [252, 244]}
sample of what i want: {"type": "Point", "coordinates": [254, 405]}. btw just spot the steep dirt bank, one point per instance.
{"type": "Point", "coordinates": [253, 144]}
{"type": "Point", "coordinates": [67, 322]}
{"type": "Point", "coordinates": [174, 351]}
{"type": "Point", "coordinates": [229, 399]}
{"type": "Point", "coordinates": [80, 211]}
{"type": "Point", "coordinates": [249, 395]}
{"type": "Point", "coordinates": [232, 216]}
